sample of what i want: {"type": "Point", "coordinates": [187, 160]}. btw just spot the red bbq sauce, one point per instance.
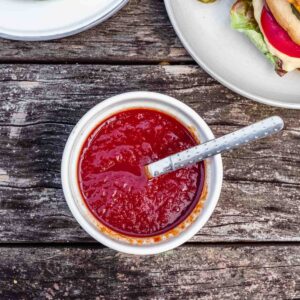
{"type": "Point", "coordinates": [113, 182]}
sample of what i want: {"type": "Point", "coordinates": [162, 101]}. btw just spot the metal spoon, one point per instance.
{"type": "Point", "coordinates": [227, 142]}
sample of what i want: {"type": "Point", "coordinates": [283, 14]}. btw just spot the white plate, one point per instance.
{"type": "Point", "coordinates": [228, 56]}
{"type": "Point", "coordinates": [50, 19]}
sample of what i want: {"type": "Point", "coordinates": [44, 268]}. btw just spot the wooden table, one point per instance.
{"type": "Point", "coordinates": [249, 248]}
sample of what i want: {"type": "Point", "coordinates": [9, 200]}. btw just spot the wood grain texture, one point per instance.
{"type": "Point", "coordinates": [40, 104]}
{"type": "Point", "coordinates": [264, 272]}
{"type": "Point", "coordinates": [140, 32]}
{"type": "Point", "coordinates": [44, 254]}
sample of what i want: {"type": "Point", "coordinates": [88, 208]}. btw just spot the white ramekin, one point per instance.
{"type": "Point", "coordinates": [169, 105]}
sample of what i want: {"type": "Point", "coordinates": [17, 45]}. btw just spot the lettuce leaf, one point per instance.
{"type": "Point", "coordinates": [242, 20]}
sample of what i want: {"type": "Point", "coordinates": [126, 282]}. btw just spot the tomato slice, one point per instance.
{"type": "Point", "coordinates": [277, 36]}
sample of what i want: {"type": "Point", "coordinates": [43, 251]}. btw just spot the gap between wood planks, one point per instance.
{"type": "Point", "coordinates": [100, 62]}
{"type": "Point", "coordinates": [58, 187]}
{"type": "Point", "coordinates": [29, 124]}
{"type": "Point", "coordinates": [97, 245]}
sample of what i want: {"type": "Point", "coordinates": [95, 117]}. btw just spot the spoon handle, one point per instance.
{"type": "Point", "coordinates": [227, 142]}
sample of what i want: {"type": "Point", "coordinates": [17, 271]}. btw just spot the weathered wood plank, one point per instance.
{"type": "Point", "coordinates": [40, 104]}
{"type": "Point", "coordinates": [246, 212]}
{"type": "Point", "coordinates": [59, 95]}
{"type": "Point", "coordinates": [140, 32]}
{"type": "Point", "coordinates": [263, 272]}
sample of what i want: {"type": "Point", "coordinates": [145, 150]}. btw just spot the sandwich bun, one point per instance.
{"type": "Point", "coordinates": [289, 63]}
{"type": "Point", "coordinates": [284, 15]}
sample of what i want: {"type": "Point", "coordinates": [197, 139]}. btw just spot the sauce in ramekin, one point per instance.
{"type": "Point", "coordinates": [113, 182]}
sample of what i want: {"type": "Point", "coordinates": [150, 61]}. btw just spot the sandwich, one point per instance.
{"type": "Point", "coordinates": [273, 26]}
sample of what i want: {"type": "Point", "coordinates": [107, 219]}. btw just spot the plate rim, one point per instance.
{"type": "Point", "coordinates": [220, 78]}
{"type": "Point", "coordinates": [77, 29]}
